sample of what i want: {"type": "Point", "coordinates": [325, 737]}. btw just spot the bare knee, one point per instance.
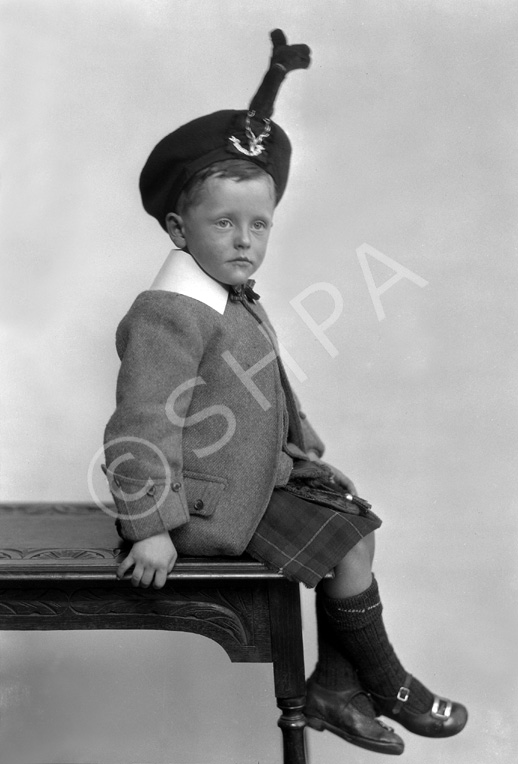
{"type": "Point", "coordinates": [357, 559]}
{"type": "Point", "coordinates": [353, 573]}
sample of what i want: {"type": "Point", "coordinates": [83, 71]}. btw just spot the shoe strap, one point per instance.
{"type": "Point", "coordinates": [360, 692]}
{"type": "Point", "coordinates": [346, 695]}
{"type": "Point", "coordinates": [441, 709]}
{"type": "Point", "coordinates": [403, 694]}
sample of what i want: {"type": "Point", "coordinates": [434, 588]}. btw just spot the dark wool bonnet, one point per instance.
{"type": "Point", "coordinates": [228, 134]}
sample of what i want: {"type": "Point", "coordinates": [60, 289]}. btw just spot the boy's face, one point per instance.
{"type": "Point", "coordinates": [226, 230]}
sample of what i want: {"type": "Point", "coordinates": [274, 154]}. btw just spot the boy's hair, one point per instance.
{"type": "Point", "coordinates": [234, 169]}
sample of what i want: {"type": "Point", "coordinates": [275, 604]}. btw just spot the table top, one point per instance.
{"type": "Point", "coordinates": [78, 541]}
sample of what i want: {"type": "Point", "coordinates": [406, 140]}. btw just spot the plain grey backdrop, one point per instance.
{"type": "Point", "coordinates": [404, 134]}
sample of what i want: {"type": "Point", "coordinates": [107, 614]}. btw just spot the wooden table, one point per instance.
{"type": "Point", "coordinates": [57, 571]}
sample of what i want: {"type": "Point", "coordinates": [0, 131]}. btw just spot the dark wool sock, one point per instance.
{"type": "Point", "coordinates": [333, 671]}
{"type": "Point", "coordinates": [358, 625]}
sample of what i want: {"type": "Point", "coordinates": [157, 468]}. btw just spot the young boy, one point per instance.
{"type": "Point", "coordinates": [222, 460]}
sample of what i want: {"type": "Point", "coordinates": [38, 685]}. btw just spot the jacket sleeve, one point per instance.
{"type": "Point", "coordinates": [312, 440]}
{"type": "Point", "coordinates": [160, 344]}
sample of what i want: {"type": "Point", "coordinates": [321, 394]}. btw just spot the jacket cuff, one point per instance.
{"type": "Point", "coordinates": [147, 507]}
{"type": "Point", "coordinates": [312, 441]}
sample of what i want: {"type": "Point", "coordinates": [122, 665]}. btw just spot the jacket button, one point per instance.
{"type": "Point", "coordinates": [302, 415]}
{"type": "Point", "coordinates": [117, 482]}
{"type": "Point", "coordinates": [151, 491]}
{"type": "Point", "coordinates": [198, 505]}
{"type": "Point", "coordinates": [176, 486]}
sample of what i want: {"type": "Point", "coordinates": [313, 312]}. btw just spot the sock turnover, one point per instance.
{"type": "Point", "coordinates": [357, 624]}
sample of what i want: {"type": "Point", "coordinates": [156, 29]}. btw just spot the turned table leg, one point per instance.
{"type": "Point", "coordinates": [292, 723]}
{"type": "Point", "coordinates": [288, 666]}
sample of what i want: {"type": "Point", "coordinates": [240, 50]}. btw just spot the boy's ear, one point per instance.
{"type": "Point", "coordinates": [175, 229]}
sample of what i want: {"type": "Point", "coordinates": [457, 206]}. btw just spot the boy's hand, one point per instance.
{"type": "Point", "coordinates": [153, 558]}
{"type": "Point", "coordinates": [342, 480]}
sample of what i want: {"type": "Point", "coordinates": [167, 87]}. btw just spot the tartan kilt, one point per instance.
{"type": "Point", "coordinates": [309, 525]}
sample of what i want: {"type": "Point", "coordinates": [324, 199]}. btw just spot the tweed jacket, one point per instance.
{"type": "Point", "coordinates": [206, 424]}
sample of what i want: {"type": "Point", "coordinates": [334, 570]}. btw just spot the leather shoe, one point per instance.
{"type": "Point", "coordinates": [444, 719]}
{"type": "Point", "coordinates": [332, 710]}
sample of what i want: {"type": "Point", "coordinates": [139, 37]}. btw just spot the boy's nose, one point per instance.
{"type": "Point", "coordinates": [242, 238]}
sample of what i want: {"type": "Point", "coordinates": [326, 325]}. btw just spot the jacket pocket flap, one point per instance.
{"type": "Point", "coordinates": [203, 493]}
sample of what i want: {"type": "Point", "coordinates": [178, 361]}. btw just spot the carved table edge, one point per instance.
{"type": "Point", "coordinates": [187, 569]}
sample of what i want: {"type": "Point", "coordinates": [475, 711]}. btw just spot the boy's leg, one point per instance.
{"type": "Point", "coordinates": [353, 574]}
{"type": "Point", "coordinates": [336, 701]}
{"type": "Point", "coordinates": [351, 606]}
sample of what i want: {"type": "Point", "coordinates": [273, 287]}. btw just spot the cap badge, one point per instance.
{"type": "Point", "coordinates": [255, 142]}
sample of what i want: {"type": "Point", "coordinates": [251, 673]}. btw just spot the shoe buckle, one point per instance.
{"type": "Point", "coordinates": [441, 708]}
{"type": "Point", "coordinates": [403, 694]}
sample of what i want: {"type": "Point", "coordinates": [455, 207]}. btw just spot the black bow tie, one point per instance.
{"type": "Point", "coordinates": [243, 291]}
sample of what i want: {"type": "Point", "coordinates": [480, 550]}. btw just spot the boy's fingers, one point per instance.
{"type": "Point", "coordinates": [125, 566]}
{"type": "Point", "coordinates": [345, 482]}
{"type": "Point", "coordinates": [172, 563]}
{"type": "Point", "coordinates": [160, 579]}
{"type": "Point", "coordinates": [137, 574]}
{"type": "Point", "coordinates": [349, 486]}
{"type": "Point", "coordinates": [147, 577]}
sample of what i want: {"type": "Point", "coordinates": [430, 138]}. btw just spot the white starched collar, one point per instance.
{"type": "Point", "coordinates": [181, 274]}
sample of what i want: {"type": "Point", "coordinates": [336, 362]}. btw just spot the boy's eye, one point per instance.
{"type": "Point", "coordinates": [223, 223]}
{"type": "Point", "coordinates": [259, 225]}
